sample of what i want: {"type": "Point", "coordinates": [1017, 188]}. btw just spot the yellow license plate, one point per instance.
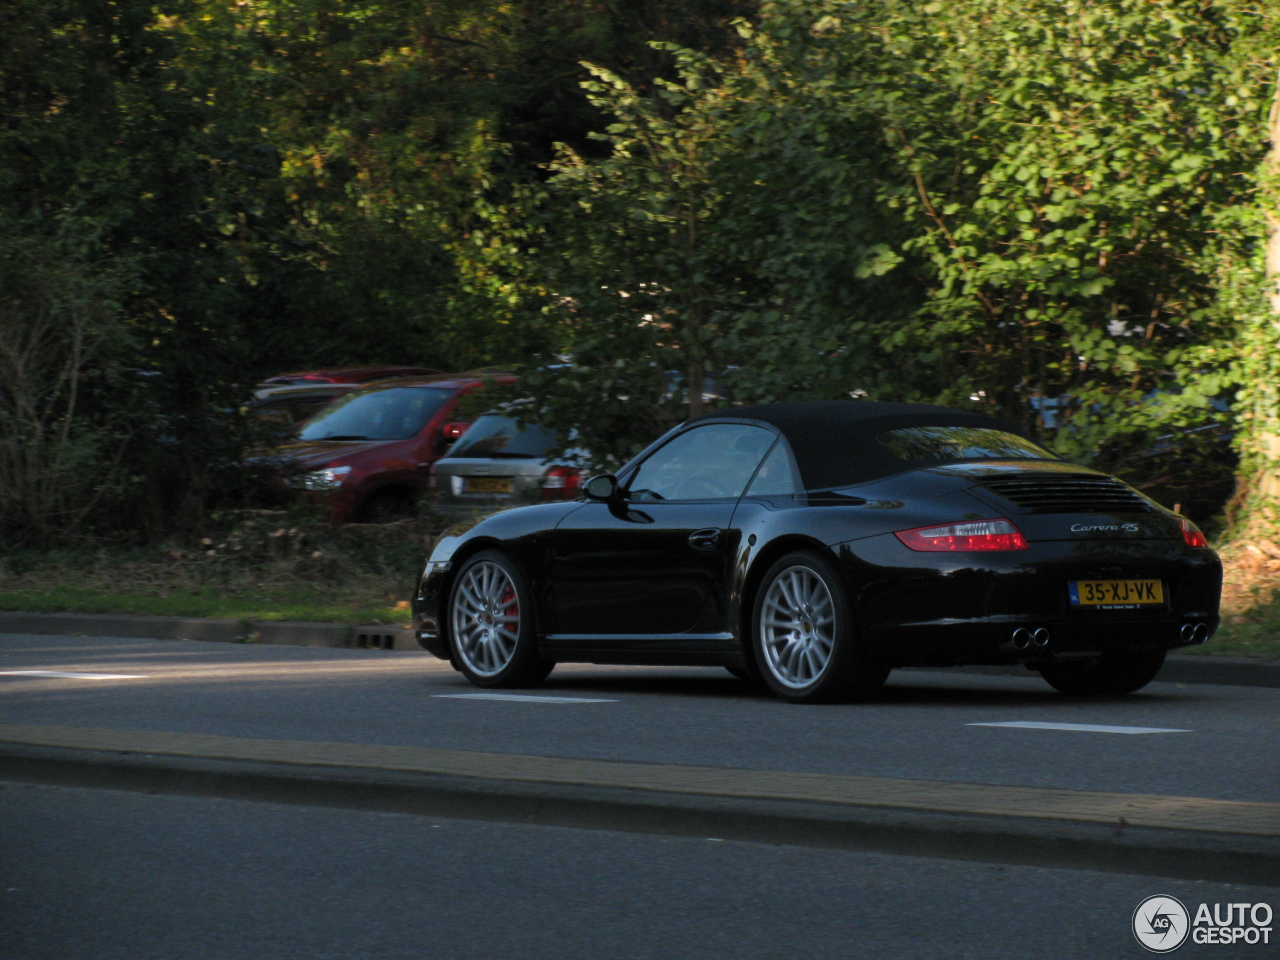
{"type": "Point", "coordinates": [487, 485]}
{"type": "Point", "coordinates": [1116, 593]}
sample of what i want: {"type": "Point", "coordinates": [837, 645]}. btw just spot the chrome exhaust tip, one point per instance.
{"type": "Point", "coordinates": [1021, 638]}
{"type": "Point", "coordinates": [1200, 634]}
{"type": "Point", "coordinates": [1040, 637]}
{"type": "Point", "coordinates": [1187, 631]}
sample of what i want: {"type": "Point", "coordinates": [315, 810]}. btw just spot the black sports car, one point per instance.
{"type": "Point", "coordinates": [815, 546]}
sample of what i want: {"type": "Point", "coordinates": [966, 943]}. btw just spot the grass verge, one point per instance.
{"type": "Point", "coordinates": [268, 566]}
{"type": "Point", "coordinates": [1250, 602]}
{"type": "Point", "coordinates": [263, 567]}
{"type": "Point", "coordinates": [280, 602]}
{"type": "Point", "coordinates": [1258, 638]}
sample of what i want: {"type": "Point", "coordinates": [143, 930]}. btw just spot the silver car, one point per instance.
{"type": "Point", "coordinates": [497, 463]}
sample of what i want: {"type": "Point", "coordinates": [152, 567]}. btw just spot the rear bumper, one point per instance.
{"type": "Point", "coordinates": [931, 609]}
{"type": "Point", "coordinates": [991, 640]}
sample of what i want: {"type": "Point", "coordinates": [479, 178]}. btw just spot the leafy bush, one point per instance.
{"type": "Point", "coordinates": [61, 341]}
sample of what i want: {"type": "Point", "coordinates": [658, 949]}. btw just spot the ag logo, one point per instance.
{"type": "Point", "coordinates": [1161, 924]}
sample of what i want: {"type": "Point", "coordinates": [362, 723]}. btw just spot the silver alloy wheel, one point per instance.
{"type": "Point", "coordinates": [797, 627]}
{"type": "Point", "coordinates": [486, 618]}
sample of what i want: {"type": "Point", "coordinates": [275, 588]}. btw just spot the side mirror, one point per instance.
{"type": "Point", "coordinates": [601, 487]}
{"type": "Point", "coordinates": [452, 431]}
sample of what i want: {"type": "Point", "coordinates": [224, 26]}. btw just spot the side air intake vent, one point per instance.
{"type": "Point", "coordinates": [1059, 494]}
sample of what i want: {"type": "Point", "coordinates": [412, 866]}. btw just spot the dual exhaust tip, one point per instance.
{"type": "Point", "coordinates": [1024, 637]}
{"type": "Point", "coordinates": [1194, 632]}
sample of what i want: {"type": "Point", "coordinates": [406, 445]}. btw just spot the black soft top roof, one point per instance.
{"type": "Point", "coordinates": [834, 440]}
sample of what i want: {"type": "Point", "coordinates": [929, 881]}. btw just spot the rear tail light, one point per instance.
{"type": "Point", "coordinates": [560, 483]}
{"type": "Point", "coordinates": [974, 535]}
{"type": "Point", "coordinates": [1192, 535]}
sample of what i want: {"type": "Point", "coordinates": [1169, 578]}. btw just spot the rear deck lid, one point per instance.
{"type": "Point", "coordinates": [1065, 501]}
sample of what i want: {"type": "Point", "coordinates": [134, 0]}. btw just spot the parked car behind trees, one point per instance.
{"type": "Point", "coordinates": [368, 453]}
{"type": "Point", "coordinates": [502, 462]}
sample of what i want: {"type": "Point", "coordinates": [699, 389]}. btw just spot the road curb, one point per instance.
{"type": "Point", "coordinates": [1178, 668]}
{"type": "Point", "coordinates": [1112, 848]}
{"type": "Point", "coordinates": [125, 625]}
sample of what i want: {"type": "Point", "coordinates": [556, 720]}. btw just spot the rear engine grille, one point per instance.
{"type": "Point", "coordinates": [1058, 494]}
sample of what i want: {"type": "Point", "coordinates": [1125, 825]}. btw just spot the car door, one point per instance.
{"type": "Point", "coordinates": [649, 564]}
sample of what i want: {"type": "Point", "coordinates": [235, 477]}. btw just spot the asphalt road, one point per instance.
{"type": "Point", "coordinates": [923, 728]}
{"type": "Point", "coordinates": [101, 875]}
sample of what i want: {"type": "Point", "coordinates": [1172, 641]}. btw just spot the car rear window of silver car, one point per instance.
{"type": "Point", "coordinates": [494, 435]}
{"type": "Point", "coordinates": [960, 443]}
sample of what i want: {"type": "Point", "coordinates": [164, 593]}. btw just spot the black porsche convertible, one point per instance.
{"type": "Point", "coordinates": [814, 546]}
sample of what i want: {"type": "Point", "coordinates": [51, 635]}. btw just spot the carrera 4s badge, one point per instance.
{"type": "Point", "coordinates": [1104, 528]}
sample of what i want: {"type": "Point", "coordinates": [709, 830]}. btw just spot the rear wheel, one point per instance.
{"type": "Point", "coordinates": [491, 628]}
{"type": "Point", "coordinates": [1113, 675]}
{"type": "Point", "coordinates": [803, 635]}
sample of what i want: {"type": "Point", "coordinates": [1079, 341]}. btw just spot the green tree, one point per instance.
{"type": "Point", "coordinates": [1058, 168]}
{"type": "Point", "coordinates": [103, 142]}
{"type": "Point", "coordinates": [403, 133]}
{"type": "Point", "coordinates": [294, 182]}
{"type": "Point", "coordinates": [61, 340]}
{"type": "Point", "coordinates": [643, 286]}
{"type": "Point", "coordinates": [1250, 282]}
{"type": "Point", "coordinates": [994, 204]}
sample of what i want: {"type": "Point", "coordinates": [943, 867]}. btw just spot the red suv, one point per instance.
{"type": "Point", "coordinates": [369, 451]}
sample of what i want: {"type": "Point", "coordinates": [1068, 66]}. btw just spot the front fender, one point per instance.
{"type": "Point", "coordinates": [521, 532]}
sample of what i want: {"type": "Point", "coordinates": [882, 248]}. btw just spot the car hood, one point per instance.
{"type": "Point", "coordinates": [321, 453]}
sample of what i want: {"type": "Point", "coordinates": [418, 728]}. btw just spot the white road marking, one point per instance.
{"type": "Point", "coordinates": [1082, 727]}
{"type": "Point", "coordinates": [72, 675]}
{"type": "Point", "coordinates": [518, 697]}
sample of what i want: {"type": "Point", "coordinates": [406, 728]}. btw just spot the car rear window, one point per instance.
{"type": "Point", "coordinates": [960, 443]}
{"type": "Point", "coordinates": [494, 435]}
{"type": "Point", "coordinates": [393, 414]}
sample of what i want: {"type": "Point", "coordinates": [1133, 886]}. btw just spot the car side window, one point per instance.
{"type": "Point", "coordinates": [775, 478]}
{"type": "Point", "coordinates": [711, 462]}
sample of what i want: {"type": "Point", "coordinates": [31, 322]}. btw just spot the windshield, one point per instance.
{"type": "Point", "coordinates": [960, 443]}
{"type": "Point", "coordinates": [394, 414]}
{"type": "Point", "coordinates": [494, 435]}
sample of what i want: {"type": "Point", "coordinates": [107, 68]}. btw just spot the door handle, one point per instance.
{"type": "Point", "coordinates": [707, 539]}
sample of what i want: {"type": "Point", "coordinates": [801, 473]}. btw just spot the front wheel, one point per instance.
{"type": "Point", "coordinates": [1113, 675]}
{"type": "Point", "coordinates": [491, 627]}
{"type": "Point", "coordinates": [803, 634]}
